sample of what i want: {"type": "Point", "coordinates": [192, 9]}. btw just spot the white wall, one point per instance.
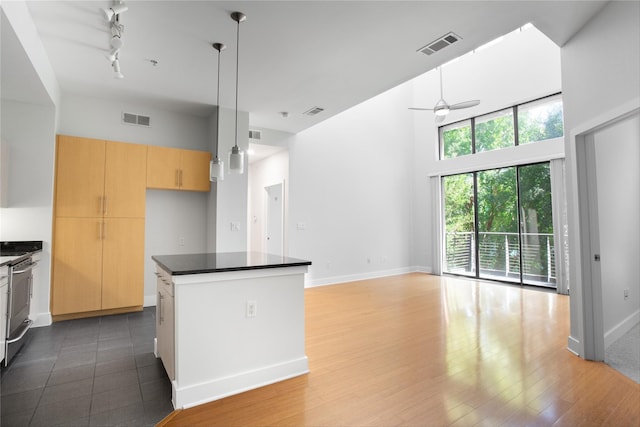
{"type": "Point", "coordinates": [169, 214]}
{"type": "Point", "coordinates": [617, 155]}
{"type": "Point", "coordinates": [231, 193]}
{"type": "Point", "coordinates": [351, 187]}
{"type": "Point", "coordinates": [600, 69]}
{"type": "Point", "coordinates": [28, 131]}
{"type": "Point", "coordinates": [272, 170]}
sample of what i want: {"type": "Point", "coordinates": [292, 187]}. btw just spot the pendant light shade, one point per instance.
{"type": "Point", "coordinates": [236, 160]}
{"type": "Point", "coordinates": [236, 155]}
{"type": "Point", "coordinates": [216, 167]}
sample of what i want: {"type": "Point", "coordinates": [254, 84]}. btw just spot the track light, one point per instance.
{"type": "Point", "coordinates": [116, 69]}
{"type": "Point", "coordinates": [113, 54]}
{"type": "Point", "coordinates": [116, 9]}
{"type": "Point", "coordinates": [117, 42]}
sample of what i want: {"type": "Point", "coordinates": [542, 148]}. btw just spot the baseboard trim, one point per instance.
{"type": "Point", "coordinates": [573, 345]}
{"type": "Point", "coordinates": [334, 280]}
{"type": "Point", "coordinates": [197, 394]}
{"type": "Point", "coordinates": [41, 319]}
{"type": "Point", "coordinates": [613, 334]}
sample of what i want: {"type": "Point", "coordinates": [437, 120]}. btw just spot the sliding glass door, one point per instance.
{"type": "Point", "coordinates": [498, 225]}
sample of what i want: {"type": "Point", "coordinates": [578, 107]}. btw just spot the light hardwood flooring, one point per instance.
{"type": "Point", "coordinates": [422, 350]}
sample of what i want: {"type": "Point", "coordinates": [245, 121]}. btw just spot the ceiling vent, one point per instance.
{"type": "Point", "coordinates": [254, 134]}
{"type": "Point", "coordinates": [440, 43]}
{"type": "Point", "coordinates": [136, 119]}
{"type": "Point", "coordinates": [313, 111]}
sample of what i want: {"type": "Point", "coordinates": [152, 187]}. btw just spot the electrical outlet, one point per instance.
{"type": "Point", "coordinates": [181, 241]}
{"type": "Point", "coordinates": [252, 308]}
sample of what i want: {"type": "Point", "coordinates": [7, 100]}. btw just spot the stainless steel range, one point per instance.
{"type": "Point", "coordinates": [20, 264]}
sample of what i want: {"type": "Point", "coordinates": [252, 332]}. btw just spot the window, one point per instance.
{"type": "Point", "coordinates": [537, 120]}
{"type": "Point", "coordinates": [499, 225]}
{"type": "Point", "coordinates": [456, 139]}
{"type": "Point", "coordinates": [540, 120]}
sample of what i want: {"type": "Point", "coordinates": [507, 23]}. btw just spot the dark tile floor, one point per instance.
{"type": "Point", "coordinates": [88, 372]}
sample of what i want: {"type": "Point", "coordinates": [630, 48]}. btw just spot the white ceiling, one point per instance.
{"type": "Point", "coordinates": [294, 55]}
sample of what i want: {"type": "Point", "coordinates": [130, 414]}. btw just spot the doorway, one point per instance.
{"type": "Point", "coordinates": [274, 209]}
{"type": "Point", "coordinates": [609, 178]}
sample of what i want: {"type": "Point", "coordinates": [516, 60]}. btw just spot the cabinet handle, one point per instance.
{"type": "Point", "coordinates": [104, 230]}
{"type": "Point", "coordinates": [177, 177]}
{"type": "Point", "coordinates": [160, 301]}
{"type": "Point", "coordinates": [100, 230]}
{"type": "Point", "coordinates": [180, 177]}
{"type": "Point", "coordinates": [104, 212]}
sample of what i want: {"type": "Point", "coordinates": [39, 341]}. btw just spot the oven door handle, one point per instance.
{"type": "Point", "coordinates": [29, 322]}
{"type": "Point", "coordinates": [27, 268]}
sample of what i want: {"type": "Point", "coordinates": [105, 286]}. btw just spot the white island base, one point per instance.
{"type": "Point", "coordinates": [233, 331]}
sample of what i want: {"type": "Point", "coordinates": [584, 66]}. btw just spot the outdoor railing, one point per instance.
{"type": "Point", "coordinates": [500, 256]}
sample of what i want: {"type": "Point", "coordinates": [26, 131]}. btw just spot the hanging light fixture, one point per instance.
{"type": "Point", "coordinates": [216, 167]}
{"type": "Point", "coordinates": [236, 156]}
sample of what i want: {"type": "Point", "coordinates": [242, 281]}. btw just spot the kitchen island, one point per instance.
{"type": "Point", "coordinates": [229, 322]}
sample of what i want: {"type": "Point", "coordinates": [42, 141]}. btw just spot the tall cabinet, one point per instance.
{"type": "Point", "coordinates": [98, 245]}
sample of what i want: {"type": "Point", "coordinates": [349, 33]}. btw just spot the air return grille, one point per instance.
{"type": "Point", "coordinates": [254, 134]}
{"type": "Point", "coordinates": [440, 43]}
{"type": "Point", "coordinates": [136, 119]}
{"type": "Point", "coordinates": [313, 111]}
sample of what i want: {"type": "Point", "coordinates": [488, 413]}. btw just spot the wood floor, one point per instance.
{"type": "Point", "coordinates": [422, 350]}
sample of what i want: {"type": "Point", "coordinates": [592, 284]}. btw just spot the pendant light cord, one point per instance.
{"type": "Point", "coordinates": [237, 72]}
{"type": "Point", "coordinates": [218, 106]}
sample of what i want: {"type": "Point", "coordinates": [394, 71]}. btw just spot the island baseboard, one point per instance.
{"type": "Point", "coordinates": [198, 394]}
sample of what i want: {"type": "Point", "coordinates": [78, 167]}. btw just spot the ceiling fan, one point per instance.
{"type": "Point", "coordinates": [441, 109]}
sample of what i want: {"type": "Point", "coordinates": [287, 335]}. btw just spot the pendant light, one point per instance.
{"type": "Point", "coordinates": [236, 156]}
{"type": "Point", "coordinates": [216, 167]}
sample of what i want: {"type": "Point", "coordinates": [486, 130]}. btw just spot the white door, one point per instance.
{"type": "Point", "coordinates": [275, 217]}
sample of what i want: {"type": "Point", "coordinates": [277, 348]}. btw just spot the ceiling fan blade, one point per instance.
{"type": "Point", "coordinates": [420, 109]}
{"type": "Point", "coordinates": [439, 119]}
{"type": "Point", "coordinates": [465, 104]}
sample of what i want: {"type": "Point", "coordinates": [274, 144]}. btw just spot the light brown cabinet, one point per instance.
{"type": "Point", "coordinates": [98, 245]}
{"type": "Point", "coordinates": [178, 169]}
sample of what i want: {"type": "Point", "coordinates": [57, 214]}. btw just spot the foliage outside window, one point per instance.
{"type": "Point", "coordinates": [456, 139]}
{"type": "Point", "coordinates": [540, 120]}
{"type": "Point", "coordinates": [495, 131]}
{"type": "Point", "coordinates": [537, 121]}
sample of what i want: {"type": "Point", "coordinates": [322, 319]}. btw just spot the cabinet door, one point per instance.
{"type": "Point", "coordinates": [195, 170]}
{"type": "Point", "coordinates": [79, 177]}
{"type": "Point", "coordinates": [123, 263]}
{"type": "Point", "coordinates": [77, 265]}
{"type": "Point", "coordinates": [163, 167]}
{"type": "Point", "coordinates": [165, 331]}
{"type": "Point", "coordinates": [125, 180]}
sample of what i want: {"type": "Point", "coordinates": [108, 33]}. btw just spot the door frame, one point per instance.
{"type": "Point", "coordinates": [587, 335]}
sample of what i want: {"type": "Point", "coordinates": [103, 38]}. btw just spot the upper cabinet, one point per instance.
{"type": "Point", "coordinates": [177, 169]}
{"type": "Point", "coordinates": [97, 178]}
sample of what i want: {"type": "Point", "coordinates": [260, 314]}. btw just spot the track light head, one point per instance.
{"type": "Point", "coordinates": [113, 54]}
{"type": "Point", "coordinates": [116, 69]}
{"type": "Point", "coordinates": [116, 9]}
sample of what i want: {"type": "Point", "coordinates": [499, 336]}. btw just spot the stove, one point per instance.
{"type": "Point", "coordinates": [17, 256]}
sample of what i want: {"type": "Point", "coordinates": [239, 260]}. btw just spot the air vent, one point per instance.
{"type": "Point", "coordinates": [254, 134]}
{"type": "Point", "coordinates": [440, 43]}
{"type": "Point", "coordinates": [136, 119]}
{"type": "Point", "coordinates": [313, 111]}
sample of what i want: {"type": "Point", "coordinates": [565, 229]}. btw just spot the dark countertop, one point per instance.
{"type": "Point", "coordinates": [15, 252]}
{"type": "Point", "coordinates": [178, 265]}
